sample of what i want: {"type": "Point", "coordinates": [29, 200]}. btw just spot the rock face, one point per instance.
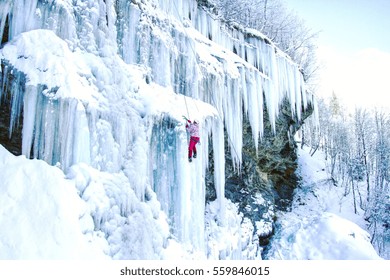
{"type": "Point", "coordinates": [14, 143]}
{"type": "Point", "coordinates": [267, 177]}
{"type": "Point", "coordinates": [11, 143]}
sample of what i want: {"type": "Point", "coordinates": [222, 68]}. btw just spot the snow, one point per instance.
{"type": "Point", "coordinates": [40, 213]}
{"type": "Point", "coordinates": [40, 223]}
{"type": "Point", "coordinates": [103, 105]}
{"type": "Point", "coordinates": [321, 224]}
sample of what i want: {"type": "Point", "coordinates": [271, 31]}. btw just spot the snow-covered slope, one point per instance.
{"type": "Point", "coordinates": [321, 224]}
{"type": "Point", "coordinates": [40, 213]}
{"type": "Point", "coordinates": [46, 215]}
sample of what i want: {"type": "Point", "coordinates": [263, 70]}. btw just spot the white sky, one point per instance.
{"type": "Point", "coordinates": [354, 47]}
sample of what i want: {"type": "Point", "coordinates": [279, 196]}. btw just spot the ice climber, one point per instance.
{"type": "Point", "coordinates": [193, 129]}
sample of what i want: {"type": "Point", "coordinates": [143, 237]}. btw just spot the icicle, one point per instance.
{"type": "Point", "coordinates": [128, 24]}
{"type": "Point", "coordinates": [255, 100]}
{"type": "Point", "coordinates": [232, 108]}
{"type": "Point", "coordinates": [81, 146]}
{"type": "Point", "coordinates": [5, 7]}
{"type": "Point", "coordinates": [219, 166]}
{"type": "Point", "coordinates": [303, 92]}
{"type": "Point", "coordinates": [186, 226]}
{"type": "Point", "coordinates": [23, 17]}
{"type": "Point", "coordinates": [17, 93]}
{"type": "Point", "coordinates": [184, 9]}
{"type": "Point", "coordinates": [30, 105]}
{"type": "Point", "coordinates": [67, 115]}
{"type": "Point", "coordinates": [260, 98]}
{"type": "Point", "coordinates": [295, 95]}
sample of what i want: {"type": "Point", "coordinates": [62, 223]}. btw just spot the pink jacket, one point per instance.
{"type": "Point", "coordinates": [193, 129]}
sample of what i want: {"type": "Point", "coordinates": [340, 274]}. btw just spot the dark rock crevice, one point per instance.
{"type": "Point", "coordinates": [268, 173]}
{"type": "Point", "coordinates": [8, 80]}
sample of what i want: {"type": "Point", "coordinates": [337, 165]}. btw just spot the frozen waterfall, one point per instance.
{"type": "Point", "coordinates": [105, 84]}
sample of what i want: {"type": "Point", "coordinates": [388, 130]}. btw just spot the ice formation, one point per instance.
{"type": "Point", "coordinates": [104, 83]}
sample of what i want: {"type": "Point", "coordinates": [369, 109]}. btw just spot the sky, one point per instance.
{"type": "Point", "coordinates": [353, 47]}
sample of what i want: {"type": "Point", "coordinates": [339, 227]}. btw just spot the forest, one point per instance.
{"type": "Point", "coordinates": [357, 149]}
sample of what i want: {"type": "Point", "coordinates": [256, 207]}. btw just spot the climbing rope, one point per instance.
{"type": "Point", "coordinates": [185, 100]}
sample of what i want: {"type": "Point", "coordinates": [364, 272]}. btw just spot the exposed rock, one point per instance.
{"type": "Point", "coordinates": [267, 177]}
{"type": "Point", "coordinates": [13, 142]}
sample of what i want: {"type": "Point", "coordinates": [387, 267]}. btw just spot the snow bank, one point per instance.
{"type": "Point", "coordinates": [321, 224]}
{"type": "Point", "coordinates": [87, 214]}
{"type": "Point", "coordinates": [322, 237]}
{"type": "Point", "coordinates": [133, 228]}
{"type": "Point", "coordinates": [40, 212]}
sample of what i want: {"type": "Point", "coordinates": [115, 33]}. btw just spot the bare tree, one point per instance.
{"type": "Point", "coordinates": [281, 26]}
{"type": "Point", "coordinates": [362, 130]}
{"type": "Point", "coordinates": [358, 151]}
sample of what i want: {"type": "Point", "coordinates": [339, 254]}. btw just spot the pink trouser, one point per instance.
{"type": "Point", "coordinates": [192, 146]}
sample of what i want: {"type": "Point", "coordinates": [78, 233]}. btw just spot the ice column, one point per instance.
{"type": "Point", "coordinates": [81, 146]}
{"type": "Point", "coordinates": [179, 184]}
{"type": "Point", "coordinates": [219, 165]}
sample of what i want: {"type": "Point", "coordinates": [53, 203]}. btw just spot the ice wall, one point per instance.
{"type": "Point", "coordinates": [228, 67]}
{"type": "Point", "coordinates": [106, 82]}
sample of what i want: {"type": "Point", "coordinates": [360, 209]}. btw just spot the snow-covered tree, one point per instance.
{"type": "Point", "coordinates": [357, 148]}
{"type": "Point", "coordinates": [283, 27]}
